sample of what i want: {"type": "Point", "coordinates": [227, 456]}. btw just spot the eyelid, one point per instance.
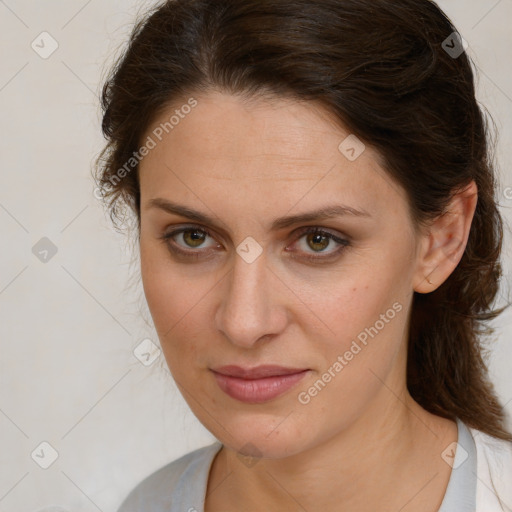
{"type": "Point", "coordinates": [193, 227]}
{"type": "Point", "coordinates": [342, 240]}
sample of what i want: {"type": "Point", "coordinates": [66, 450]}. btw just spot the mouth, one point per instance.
{"type": "Point", "coordinates": [257, 385]}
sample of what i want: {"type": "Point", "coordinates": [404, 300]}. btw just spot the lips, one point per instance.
{"type": "Point", "coordinates": [257, 373]}
{"type": "Point", "coordinates": [257, 385]}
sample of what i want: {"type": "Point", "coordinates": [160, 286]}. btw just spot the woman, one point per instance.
{"type": "Point", "coordinates": [320, 245]}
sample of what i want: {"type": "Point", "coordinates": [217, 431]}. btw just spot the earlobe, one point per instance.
{"type": "Point", "coordinates": [444, 243]}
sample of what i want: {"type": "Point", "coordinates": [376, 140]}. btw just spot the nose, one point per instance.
{"type": "Point", "coordinates": [251, 307]}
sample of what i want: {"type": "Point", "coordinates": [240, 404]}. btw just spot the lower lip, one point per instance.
{"type": "Point", "coordinates": [257, 391]}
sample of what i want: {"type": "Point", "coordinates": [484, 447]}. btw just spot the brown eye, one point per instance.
{"type": "Point", "coordinates": [317, 241]}
{"type": "Point", "coordinates": [193, 237]}
{"type": "Point", "coordinates": [314, 248]}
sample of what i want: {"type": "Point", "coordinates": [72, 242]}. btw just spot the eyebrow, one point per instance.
{"type": "Point", "coordinates": [327, 212]}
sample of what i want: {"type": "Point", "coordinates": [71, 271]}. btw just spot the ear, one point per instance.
{"type": "Point", "coordinates": [443, 242]}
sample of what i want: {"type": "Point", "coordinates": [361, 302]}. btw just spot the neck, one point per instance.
{"type": "Point", "coordinates": [356, 469]}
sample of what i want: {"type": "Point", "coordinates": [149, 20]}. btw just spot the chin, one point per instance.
{"type": "Point", "coordinates": [260, 434]}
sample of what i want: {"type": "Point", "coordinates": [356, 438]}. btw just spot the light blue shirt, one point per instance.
{"type": "Point", "coordinates": [180, 486]}
{"type": "Point", "coordinates": [460, 494]}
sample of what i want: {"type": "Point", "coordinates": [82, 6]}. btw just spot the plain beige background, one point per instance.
{"type": "Point", "coordinates": [69, 325]}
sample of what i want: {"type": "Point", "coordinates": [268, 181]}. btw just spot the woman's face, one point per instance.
{"type": "Point", "coordinates": [330, 309]}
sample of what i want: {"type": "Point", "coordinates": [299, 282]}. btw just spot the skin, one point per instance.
{"type": "Point", "coordinates": [362, 443]}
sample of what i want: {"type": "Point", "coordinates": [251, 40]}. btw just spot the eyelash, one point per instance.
{"type": "Point", "coordinates": [168, 238]}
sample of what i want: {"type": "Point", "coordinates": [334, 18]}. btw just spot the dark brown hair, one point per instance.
{"type": "Point", "coordinates": [380, 66]}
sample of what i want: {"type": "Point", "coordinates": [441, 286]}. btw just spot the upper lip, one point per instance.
{"type": "Point", "coordinates": [257, 372]}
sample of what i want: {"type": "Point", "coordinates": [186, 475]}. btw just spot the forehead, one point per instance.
{"type": "Point", "coordinates": [267, 150]}
{"type": "Point", "coordinates": [227, 126]}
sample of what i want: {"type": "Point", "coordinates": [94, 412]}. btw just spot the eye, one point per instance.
{"type": "Point", "coordinates": [318, 239]}
{"type": "Point", "coordinates": [192, 237]}
{"type": "Point", "coordinates": [314, 238]}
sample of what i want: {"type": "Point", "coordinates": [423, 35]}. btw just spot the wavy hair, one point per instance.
{"type": "Point", "coordinates": [390, 73]}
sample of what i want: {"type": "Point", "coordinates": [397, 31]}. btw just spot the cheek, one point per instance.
{"type": "Point", "coordinates": [165, 294]}
{"type": "Point", "coordinates": [177, 304]}
{"type": "Point", "coordinates": [157, 286]}
{"type": "Point", "coordinates": [363, 352]}
{"type": "Point", "coordinates": [367, 325]}
{"type": "Point", "coordinates": [355, 307]}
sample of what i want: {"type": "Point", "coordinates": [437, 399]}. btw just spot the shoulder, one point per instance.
{"type": "Point", "coordinates": [494, 461]}
{"type": "Point", "coordinates": [179, 485]}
